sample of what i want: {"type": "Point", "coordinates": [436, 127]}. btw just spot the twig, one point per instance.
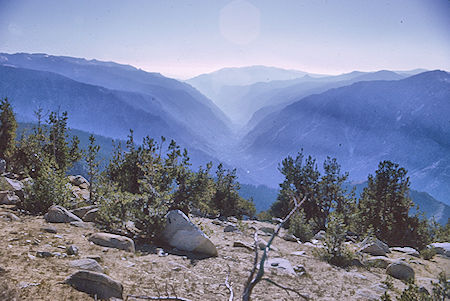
{"type": "Point", "coordinates": [287, 289]}
{"type": "Point", "coordinates": [253, 281]}
{"type": "Point", "coordinates": [228, 285]}
{"type": "Point", "coordinates": [167, 298]}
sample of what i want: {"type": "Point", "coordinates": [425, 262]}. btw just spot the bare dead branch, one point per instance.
{"type": "Point", "coordinates": [228, 284]}
{"type": "Point", "coordinates": [287, 289]}
{"type": "Point", "coordinates": [252, 281]}
{"type": "Point", "coordinates": [166, 298]}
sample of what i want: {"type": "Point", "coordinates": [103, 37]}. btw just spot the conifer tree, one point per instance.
{"type": "Point", "coordinates": [8, 127]}
{"type": "Point", "coordinates": [93, 166]}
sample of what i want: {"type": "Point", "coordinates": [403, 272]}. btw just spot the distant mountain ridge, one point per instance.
{"type": "Point", "coordinates": [405, 121]}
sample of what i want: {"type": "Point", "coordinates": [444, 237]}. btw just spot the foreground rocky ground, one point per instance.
{"type": "Point", "coordinates": [26, 273]}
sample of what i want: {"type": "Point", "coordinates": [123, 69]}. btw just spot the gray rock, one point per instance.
{"type": "Point", "coordinates": [97, 258]}
{"type": "Point", "coordinates": [408, 250]}
{"type": "Point", "coordinates": [80, 212]}
{"type": "Point", "coordinates": [78, 180]}
{"type": "Point", "coordinates": [8, 198]}
{"type": "Point", "coordinates": [280, 264]}
{"type": "Point", "coordinates": [268, 230]}
{"type": "Point", "coordinates": [72, 250]}
{"type": "Point", "coordinates": [91, 215]}
{"type": "Point", "coordinates": [181, 233]}
{"type": "Point", "coordinates": [86, 264]}
{"type": "Point", "coordinates": [113, 241]}
{"type": "Point", "coordinates": [2, 166]}
{"type": "Point", "coordinates": [400, 270]}
{"type": "Point", "coordinates": [374, 246]}
{"type": "Point", "coordinates": [59, 214]}
{"type": "Point", "coordinates": [230, 228]}
{"type": "Point", "coordinates": [93, 283]}
{"type": "Point", "coordinates": [49, 229]}
{"type": "Point", "coordinates": [216, 222]}
{"type": "Point", "coordinates": [442, 248]}
{"type": "Point", "coordinates": [81, 224]}
{"type": "Point", "coordinates": [262, 244]}
{"type": "Point", "coordinates": [44, 254]}
{"type": "Point", "coordinates": [7, 184]}
{"type": "Point", "coordinates": [290, 237]}
{"type": "Point", "coordinates": [10, 216]}
{"type": "Point", "coordinates": [241, 244]}
{"type": "Point", "coordinates": [378, 262]}
{"type": "Point", "coordinates": [320, 235]}
{"type": "Point", "coordinates": [298, 253]}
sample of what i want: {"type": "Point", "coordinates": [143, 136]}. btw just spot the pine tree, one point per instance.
{"type": "Point", "coordinates": [8, 127]}
{"type": "Point", "coordinates": [93, 170]}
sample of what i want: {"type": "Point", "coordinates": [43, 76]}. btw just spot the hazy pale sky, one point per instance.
{"type": "Point", "coordinates": [185, 38]}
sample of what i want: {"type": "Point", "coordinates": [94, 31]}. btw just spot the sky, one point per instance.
{"type": "Point", "coordinates": [182, 39]}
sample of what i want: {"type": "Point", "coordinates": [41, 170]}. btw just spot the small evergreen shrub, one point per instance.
{"type": "Point", "coordinates": [428, 254]}
{"type": "Point", "coordinates": [300, 227]}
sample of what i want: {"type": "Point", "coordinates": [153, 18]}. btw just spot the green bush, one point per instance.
{"type": "Point", "coordinates": [50, 186]}
{"type": "Point", "coordinates": [300, 227]}
{"type": "Point", "coordinates": [428, 254]}
{"type": "Point", "coordinates": [334, 251]}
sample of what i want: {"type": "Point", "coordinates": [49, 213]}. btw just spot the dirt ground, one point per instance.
{"type": "Point", "coordinates": [23, 276]}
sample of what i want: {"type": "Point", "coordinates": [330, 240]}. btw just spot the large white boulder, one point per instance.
{"type": "Point", "coordinates": [182, 234]}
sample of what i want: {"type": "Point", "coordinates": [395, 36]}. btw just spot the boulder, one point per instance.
{"type": "Point", "coordinates": [290, 237]}
{"type": "Point", "coordinates": [113, 241]}
{"type": "Point", "coordinates": [408, 250]}
{"type": "Point", "coordinates": [268, 230]}
{"type": "Point", "coordinates": [2, 166]}
{"type": "Point", "coordinates": [7, 184]}
{"type": "Point", "coordinates": [91, 215]}
{"type": "Point", "coordinates": [280, 264]}
{"type": "Point", "coordinates": [86, 264]}
{"type": "Point", "coordinates": [80, 212]}
{"type": "Point", "coordinates": [78, 180]}
{"type": "Point", "coordinates": [181, 233]}
{"type": "Point", "coordinates": [442, 248]}
{"type": "Point", "coordinates": [320, 235]}
{"type": "Point", "coordinates": [8, 198]}
{"type": "Point", "coordinates": [95, 284]}
{"type": "Point", "coordinates": [400, 270]}
{"type": "Point", "coordinates": [378, 262]}
{"type": "Point", "coordinates": [374, 246]}
{"type": "Point", "coordinates": [230, 228]}
{"type": "Point", "coordinates": [59, 214]}
{"type": "Point", "coordinates": [241, 244]}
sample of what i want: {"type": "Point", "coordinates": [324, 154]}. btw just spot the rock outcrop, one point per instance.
{"type": "Point", "coordinates": [182, 234]}
{"type": "Point", "coordinates": [442, 248]}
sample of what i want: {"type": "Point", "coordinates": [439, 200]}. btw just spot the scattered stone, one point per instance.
{"type": "Point", "coordinates": [442, 248]}
{"type": "Point", "coordinates": [216, 222]}
{"type": "Point", "coordinates": [8, 198]}
{"type": "Point", "coordinates": [9, 215]}
{"type": "Point", "coordinates": [268, 230]}
{"type": "Point", "coordinates": [262, 244]}
{"type": "Point", "coordinates": [58, 236]}
{"type": "Point", "coordinates": [400, 270]}
{"type": "Point", "coordinates": [44, 254]}
{"type": "Point", "coordinates": [86, 264]}
{"type": "Point", "coordinates": [91, 215]}
{"type": "Point", "coordinates": [280, 264]}
{"type": "Point", "coordinates": [408, 250]}
{"type": "Point", "coordinates": [72, 250]}
{"type": "Point", "coordinates": [378, 262]}
{"type": "Point", "coordinates": [374, 246]}
{"type": "Point", "coordinates": [161, 252]}
{"type": "Point", "coordinates": [290, 237]}
{"type": "Point", "coordinates": [182, 234]}
{"type": "Point", "coordinates": [32, 257]}
{"type": "Point", "coordinates": [59, 214]}
{"type": "Point", "coordinates": [299, 253]}
{"type": "Point", "coordinates": [49, 229]}
{"type": "Point", "coordinates": [80, 212]}
{"type": "Point", "coordinates": [230, 228]}
{"type": "Point", "coordinates": [113, 241]}
{"type": "Point", "coordinates": [240, 244]}
{"type": "Point", "coordinates": [320, 235]}
{"type": "Point", "coordinates": [95, 283]}
{"type": "Point", "coordinates": [97, 258]}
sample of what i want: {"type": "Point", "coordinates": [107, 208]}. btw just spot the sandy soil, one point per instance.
{"type": "Point", "coordinates": [146, 272]}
